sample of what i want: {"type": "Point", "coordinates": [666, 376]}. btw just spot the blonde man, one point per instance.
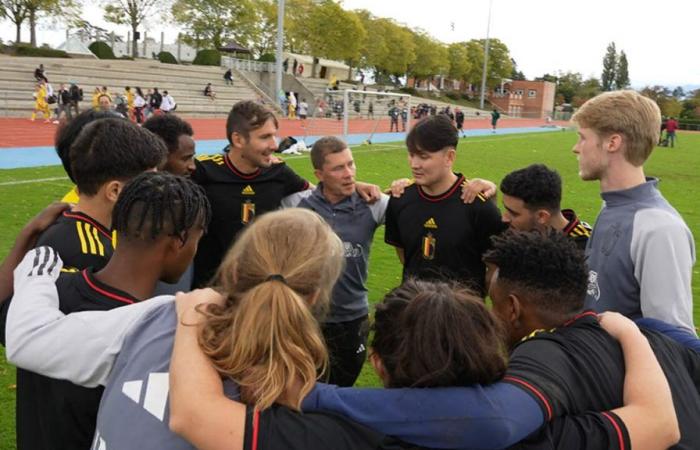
{"type": "Point", "coordinates": [641, 252]}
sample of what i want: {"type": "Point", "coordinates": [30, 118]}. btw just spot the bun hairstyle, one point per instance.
{"type": "Point", "coordinates": [278, 277]}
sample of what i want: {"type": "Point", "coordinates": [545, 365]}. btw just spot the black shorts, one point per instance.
{"type": "Point", "coordinates": [347, 349]}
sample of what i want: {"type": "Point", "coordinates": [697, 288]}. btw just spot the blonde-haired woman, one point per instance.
{"type": "Point", "coordinates": [41, 104]}
{"type": "Point", "coordinates": [262, 336]}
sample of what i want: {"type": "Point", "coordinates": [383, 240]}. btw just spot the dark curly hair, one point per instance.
{"type": "Point", "coordinates": [168, 127]}
{"type": "Point", "coordinates": [432, 134]}
{"type": "Point", "coordinates": [158, 203]}
{"type": "Point", "coordinates": [536, 185]}
{"type": "Point", "coordinates": [547, 266]}
{"type": "Point", "coordinates": [431, 334]}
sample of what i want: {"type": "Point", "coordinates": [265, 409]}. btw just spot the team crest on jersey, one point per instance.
{"type": "Point", "coordinates": [593, 287]}
{"type": "Point", "coordinates": [248, 190]}
{"type": "Point", "coordinates": [429, 243]}
{"type": "Point", "coordinates": [430, 223]}
{"type": "Point", "coordinates": [247, 212]}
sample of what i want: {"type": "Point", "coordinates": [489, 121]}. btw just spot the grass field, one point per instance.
{"type": "Point", "coordinates": [488, 157]}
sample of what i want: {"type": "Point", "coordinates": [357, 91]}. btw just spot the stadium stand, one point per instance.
{"type": "Point", "coordinates": [184, 82]}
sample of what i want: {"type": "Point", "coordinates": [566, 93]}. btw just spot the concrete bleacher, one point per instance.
{"type": "Point", "coordinates": [184, 82]}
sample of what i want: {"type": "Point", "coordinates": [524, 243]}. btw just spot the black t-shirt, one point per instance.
{"type": "Point", "coordinates": [80, 241]}
{"type": "Point", "coordinates": [578, 367]}
{"type": "Point", "coordinates": [57, 414]}
{"type": "Point", "coordinates": [236, 198]}
{"type": "Point", "coordinates": [442, 237]}
{"type": "Point", "coordinates": [282, 428]}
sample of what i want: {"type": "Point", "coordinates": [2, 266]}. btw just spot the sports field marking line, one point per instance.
{"type": "Point", "coordinates": [37, 180]}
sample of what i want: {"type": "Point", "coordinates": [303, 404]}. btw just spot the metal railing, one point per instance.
{"type": "Point", "coordinates": [248, 65]}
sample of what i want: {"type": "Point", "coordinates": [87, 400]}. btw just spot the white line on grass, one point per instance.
{"type": "Point", "coordinates": [37, 180]}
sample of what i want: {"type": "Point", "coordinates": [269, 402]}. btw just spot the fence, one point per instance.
{"type": "Point", "coordinates": [248, 65]}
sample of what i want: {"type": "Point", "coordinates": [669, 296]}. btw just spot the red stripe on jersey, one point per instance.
{"type": "Point", "coordinates": [449, 192]}
{"type": "Point", "coordinates": [535, 391]}
{"type": "Point", "coordinates": [105, 293]}
{"type": "Point", "coordinates": [230, 165]}
{"type": "Point", "coordinates": [99, 227]}
{"type": "Point", "coordinates": [620, 437]}
{"type": "Point", "coordinates": [579, 316]}
{"type": "Point", "coordinates": [256, 428]}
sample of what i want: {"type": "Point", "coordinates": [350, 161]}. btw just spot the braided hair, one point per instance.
{"type": "Point", "coordinates": [158, 203]}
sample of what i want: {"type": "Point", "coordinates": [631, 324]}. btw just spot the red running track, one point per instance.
{"type": "Point", "coordinates": [19, 132]}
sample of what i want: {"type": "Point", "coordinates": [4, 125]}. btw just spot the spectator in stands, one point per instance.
{"type": "Point", "coordinates": [168, 104]}
{"type": "Point", "coordinates": [303, 109]}
{"type": "Point", "coordinates": [40, 103]}
{"type": "Point", "coordinates": [285, 65]}
{"type": "Point", "coordinates": [139, 104]}
{"type": "Point", "coordinates": [63, 101]}
{"type": "Point", "coordinates": [300, 71]}
{"type": "Point", "coordinates": [96, 98]}
{"type": "Point", "coordinates": [76, 96]}
{"type": "Point", "coordinates": [104, 102]}
{"type": "Point", "coordinates": [228, 77]}
{"type": "Point", "coordinates": [129, 102]}
{"type": "Point", "coordinates": [294, 67]}
{"type": "Point", "coordinates": [155, 100]}
{"type": "Point", "coordinates": [40, 74]}
{"type": "Point", "coordinates": [120, 105]}
{"type": "Point", "coordinates": [671, 127]}
{"type": "Point", "coordinates": [209, 92]}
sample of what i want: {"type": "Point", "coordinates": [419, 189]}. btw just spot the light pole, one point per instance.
{"type": "Point", "coordinates": [278, 54]}
{"type": "Point", "coordinates": [486, 58]}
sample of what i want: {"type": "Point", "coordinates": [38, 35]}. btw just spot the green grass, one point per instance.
{"type": "Point", "coordinates": [488, 157]}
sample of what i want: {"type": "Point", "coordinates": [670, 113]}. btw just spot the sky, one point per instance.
{"type": "Point", "coordinates": [544, 36]}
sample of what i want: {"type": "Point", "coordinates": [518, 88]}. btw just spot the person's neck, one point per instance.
{"type": "Point", "coordinates": [559, 222]}
{"type": "Point", "coordinates": [624, 176]}
{"type": "Point", "coordinates": [241, 163]}
{"type": "Point", "coordinates": [332, 197]}
{"type": "Point", "coordinates": [440, 186]}
{"type": "Point", "coordinates": [96, 209]}
{"type": "Point", "coordinates": [131, 271]}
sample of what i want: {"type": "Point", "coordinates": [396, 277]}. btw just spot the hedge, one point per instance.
{"type": "Point", "coordinates": [28, 50]}
{"type": "Point", "coordinates": [207, 58]}
{"type": "Point", "coordinates": [267, 57]}
{"type": "Point", "coordinates": [167, 58]}
{"type": "Point", "coordinates": [102, 50]}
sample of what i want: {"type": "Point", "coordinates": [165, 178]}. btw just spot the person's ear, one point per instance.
{"type": "Point", "coordinates": [318, 174]}
{"type": "Point", "coordinates": [378, 366]}
{"type": "Point", "coordinates": [238, 140]}
{"type": "Point", "coordinates": [514, 310]}
{"type": "Point", "coordinates": [112, 190]}
{"type": "Point", "coordinates": [451, 156]}
{"type": "Point", "coordinates": [613, 143]}
{"type": "Point", "coordinates": [542, 216]}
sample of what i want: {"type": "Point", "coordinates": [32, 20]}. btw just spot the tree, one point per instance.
{"type": "Point", "coordinates": [431, 57]}
{"type": "Point", "coordinates": [401, 49]}
{"type": "Point", "coordinates": [211, 23]}
{"type": "Point", "coordinates": [569, 85]}
{"type": "Point", "coordinates": [39, 9]}
{"type": "Point", "coordinates": [133, 13]}
{"type": "Point", "coordinates": [16, 12]}
{"type": "Point", "coordinates": [264, 38]}
{"type": "Point", "coordinates": [609, 66]}
{"type": "Point", "coordinates": [678, 93]}
{"type": "Point", "coordinates": [516, 74]}
{"type": "Point", "coordinates": [374, 48]}
{"type": "Point", "coordinates": [333, 33]}
{"type": "Point", "coordinates": [459, 61]}
{"type": "Point", "coordinates": [499, 66]}
{"type": "Point", "coordinates": [622, 76]}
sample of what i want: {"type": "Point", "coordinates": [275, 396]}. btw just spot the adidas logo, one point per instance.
{"type": "Point", "coordinates": [155, 396]}
{"type": "Point", "coordinates": [248, 190]}
{"type": "Point", "coordinates": [430, 223]}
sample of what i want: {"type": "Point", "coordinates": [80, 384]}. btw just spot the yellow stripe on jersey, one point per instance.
{"type": "Point", "coordinates": [83, 244]}
{"type": "Point", "coordinates": [100, 247]}
{"type": "Point", "coordinates": [88, 234]}
{"type": "Point", "coordinates": [114, 239]}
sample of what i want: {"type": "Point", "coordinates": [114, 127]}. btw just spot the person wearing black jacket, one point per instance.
{"type": "Point", "coordinates": [155, 100]}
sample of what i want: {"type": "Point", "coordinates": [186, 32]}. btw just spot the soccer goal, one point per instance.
{"type": "Point", "coordinates": [359, 117]}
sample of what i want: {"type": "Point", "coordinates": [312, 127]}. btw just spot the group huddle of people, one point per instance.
{"type": "Point", "coordinates": [589, 342]}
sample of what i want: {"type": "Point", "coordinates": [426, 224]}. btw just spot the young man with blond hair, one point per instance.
{"type": "Point", "coordinates": [641, 252]}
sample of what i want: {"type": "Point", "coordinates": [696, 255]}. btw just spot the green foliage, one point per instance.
{"type": "Point", "coordinates": [102, 50]}
{"type": "Point", "coordinates": [213, 23]}
{"type": "Point", "coordinates": [28, 50]}
{"type": "Point", "coordinates": [409, 90]}
{"type": "Point", "coordinates": [432, 57]}
{"type": "Point", "coordinates": [267, 57]}
{"type": "Point", "coordinates": [209, 57]}
{"type": "Point", "coordinates": [167, 58]}
{"type": "Point", "coordinates": [607, 79]}
{"type": "Point", "coordinates": [499, 66]}
{"type": "Point", "coordinates": [622, 76]}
